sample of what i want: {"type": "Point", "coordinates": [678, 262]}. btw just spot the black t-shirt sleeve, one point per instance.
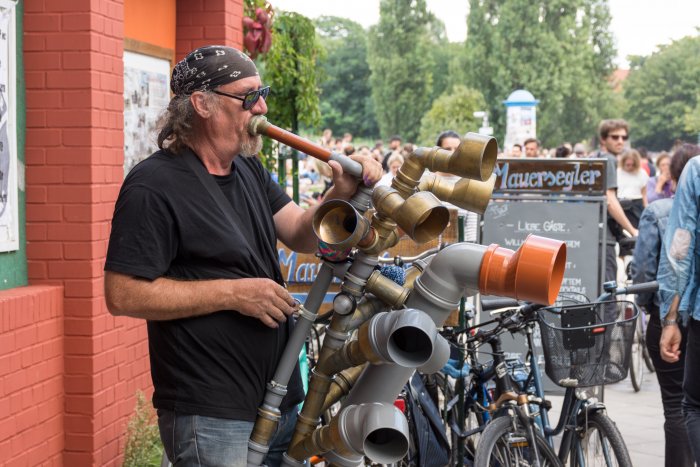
{"type": "Point", "coordinates": [143, 241]}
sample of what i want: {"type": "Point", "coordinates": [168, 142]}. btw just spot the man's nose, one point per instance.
{"type": "Point", "coordinates": [260, 107]}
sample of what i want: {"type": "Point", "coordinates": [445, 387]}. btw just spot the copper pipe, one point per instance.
{"type": "Point", "coordinates": [260, 126]}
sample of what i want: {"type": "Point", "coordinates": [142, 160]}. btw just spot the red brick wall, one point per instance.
{"type": "Point", "coordinates": [74, 157]}
{"type": "Point", "coordinates": [31, 376]}
{"type": "Point", "coordinates": [207, 22]}
{"type": "Point", "coordinates": [74, 76]}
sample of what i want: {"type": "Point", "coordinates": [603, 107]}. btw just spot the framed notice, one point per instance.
{"type": "Point", "coordinates": [146, 96]}
{"type": "Point", "coordinates": [9, 193]}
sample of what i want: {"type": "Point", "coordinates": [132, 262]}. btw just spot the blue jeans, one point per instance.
{"type": "Point", "coordinates": [194, 440]}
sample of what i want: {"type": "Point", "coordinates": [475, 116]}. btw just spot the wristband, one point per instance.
{"type": "Point", "coordinates": [668, 322]}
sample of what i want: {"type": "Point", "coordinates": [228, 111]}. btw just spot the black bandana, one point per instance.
{"type": "Point", "coordinates": [209, 67]}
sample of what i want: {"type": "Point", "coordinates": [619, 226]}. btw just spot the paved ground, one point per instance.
{"type": "Point", "coordinates": [640, 419]}
{"type": "Point", "coordinates": [639, 416]}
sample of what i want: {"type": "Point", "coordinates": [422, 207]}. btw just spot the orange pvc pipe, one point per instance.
{"type": "Point", "coordinates": [534, 272]}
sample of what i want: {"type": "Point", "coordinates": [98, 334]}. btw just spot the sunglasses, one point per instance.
{"type": "Point", "coordinates": [618, 137]}
{"type": "Point", "coordinates": [250, 98]}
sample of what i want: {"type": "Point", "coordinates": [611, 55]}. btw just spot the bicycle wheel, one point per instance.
{"type": "Point", "coordinates": [600, 444]}
{"type": "Point", "coordinates": [504, 443]}
{"type": "Point", "coordinates": [637, 357]}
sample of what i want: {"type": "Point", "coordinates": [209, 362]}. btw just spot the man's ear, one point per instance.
{"type": "Point", "coordinates": [201, 104]}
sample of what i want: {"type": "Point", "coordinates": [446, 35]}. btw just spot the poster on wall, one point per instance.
{"type": "Point", "coordinates": [9, 194]}
{"type": "Point", "coordinates": [146, 96]}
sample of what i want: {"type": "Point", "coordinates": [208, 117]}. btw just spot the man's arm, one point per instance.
{"type": "Point", "coordinates": [294, 224]}
{"type": "Point", "coordinates": [166, 299]}
{"type": "Point", "coordinates": [617, 213]}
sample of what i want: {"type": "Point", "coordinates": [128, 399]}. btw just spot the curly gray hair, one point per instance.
{"type": "Point", "coordinates": [177, 124]}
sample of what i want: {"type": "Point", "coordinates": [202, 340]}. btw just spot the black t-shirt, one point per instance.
{"type": "Point", "coordinates": [167, 224]}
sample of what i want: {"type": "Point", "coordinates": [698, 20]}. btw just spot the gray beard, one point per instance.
{"type": "Point", "coordinates": [251, 146]}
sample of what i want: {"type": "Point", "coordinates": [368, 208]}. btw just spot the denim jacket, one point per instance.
{"type": "Point", "coordinates": [678, 271]}
{"type": "Point", "coordinates": [652, 226]}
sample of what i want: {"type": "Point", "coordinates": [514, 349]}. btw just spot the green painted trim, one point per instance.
{"type": "Point", "coordinates": [13, 264]}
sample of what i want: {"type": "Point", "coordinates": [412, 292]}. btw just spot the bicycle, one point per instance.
{"type": "Point", "coordinates": [587, 434]}
{"type": "Point", "coordinates": [640, 353]}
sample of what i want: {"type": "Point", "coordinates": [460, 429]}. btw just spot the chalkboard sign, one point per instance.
{"type": "Point", "coordinates": [508, 222]}
{"type": "Point", "coordinates": [576, 223]}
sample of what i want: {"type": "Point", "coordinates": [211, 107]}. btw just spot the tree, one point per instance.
{"type": "Point", "coordinates": [401, 64]}
{"type": "Point", "coordinates": [454, 110]}
{"type": "Point", "coordinates": [346, 97]}
{"type": "Point", "coordinates": [559, 50]}
{"type": "Point", "coordinates": [290, 70]}
{"type": "Point", "coordinates": [663, 97]}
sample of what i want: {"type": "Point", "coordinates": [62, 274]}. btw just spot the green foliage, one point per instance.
{"type": "Point", "coordinates": [290, 70]}
{"type": "Point", "coordinates": [452, 111]}
{"type": "Point", "coordinates": [662, 91]}
{"type": "Point", "coordinates": [559, 50]}
{"type": "Point", "coordinates": [346, 97]}
{"type": "Point", "coordinates": [143, 446]}
{"type": "Point", "coordinates": [401, 59]}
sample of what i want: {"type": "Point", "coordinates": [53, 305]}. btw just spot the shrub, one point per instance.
{"type": "Point", "coordinates": [143, 446]}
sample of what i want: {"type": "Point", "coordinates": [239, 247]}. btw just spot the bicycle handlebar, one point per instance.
{"type": "Point", "coordinates": [644, 287]}
{"type": "Point", "coordinates": [489, 304]}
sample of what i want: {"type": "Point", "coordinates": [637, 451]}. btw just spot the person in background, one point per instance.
{"type": "Point", "coordinates": [347, 140]}
{"type": "Point", "coordinates": [349, 150]}
{"type": "Point", "coordinates": [632, 185]}
{"type": "Point", "coordinates": [516, 151]}
{"type": "Point", "coordinates": [326, 138]}
{"type": "Point", "coordinates": [679, 286]}
{"type": "Point", "coordinates": [407, 150]}
{"type": "Point", "coordinates": [395, 162]}
{"type": "Point", "coordinates": [645, 162]}
{"type": "Point", "coordinates": [579, 150]}
{"type": "Point", "coordinates": [645, 268]}
{"type": "Point", "coordinates": [193, 250]}
{"type": "Point", "coordinates": [532, 148]}
{"type": "Point", "coordinates": [394, 146]}
{"type": "Point", "coordinates": [613, 135]}
{"type": "Point", "coordinates": [562, 152]}
{"type": "Point", "coordinates": [661, 185]}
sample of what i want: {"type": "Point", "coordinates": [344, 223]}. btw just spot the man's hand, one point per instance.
{"type": "Point", "coordinates": [264, 299]}
{"type": "Point", "coordinates": [670, 343]}
{"type": "Point", "coordinates": [345, 185]}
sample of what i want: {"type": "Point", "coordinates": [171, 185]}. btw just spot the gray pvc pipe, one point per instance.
{"type": "Point", "coordinates": [277, 388]}
{"type": "Point", "coordinates": [437, 291]}
{"type": "Point", "coordinates": [379, 431]}
{"type": "Point", "coordinates": [313, 302]}
{"type": "Point", "coordinates": [349, 166]}
{"type": "Point", "coordinates": [404, 337]}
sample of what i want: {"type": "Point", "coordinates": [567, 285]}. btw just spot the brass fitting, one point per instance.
{"type": "Point", "coordinates": [265, 425]}
{"type": "Point", "coordinates": [471, 195]}
{"type": "Point", "coordinates": [422, 216]}
{"type": "Point", "coordinates": [341, 385]}
{"type": "Point", "coordinates": [386, 235]}
{"type": "Point", "coordinates": [474, 158]}
{"type": "Point", "coordinates": [387, 290]}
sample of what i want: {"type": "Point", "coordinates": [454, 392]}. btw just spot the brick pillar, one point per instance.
{"type": "Point", "coordinates": [74, 79]}
{"type": "Point", "coordinates": [207, 22]}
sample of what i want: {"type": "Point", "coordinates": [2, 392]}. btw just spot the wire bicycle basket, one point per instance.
{"type": "Point", "coordinates": [588, 344]}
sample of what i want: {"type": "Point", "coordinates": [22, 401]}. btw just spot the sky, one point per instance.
{"type": "Point", "coordinates": [638, 25]}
